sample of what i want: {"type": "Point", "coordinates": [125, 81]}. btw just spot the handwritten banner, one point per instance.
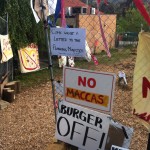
{"type": "Point", "coordinates": [68, 42]}
{"type": "Point", "coordinates": [29, 58]}
{"type": "Point", "coordinates": [5, 48]}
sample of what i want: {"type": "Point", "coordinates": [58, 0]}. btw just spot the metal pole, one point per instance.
{"type": "Point", "coordinates": [50, 65]}
{"type": "Point", "coordinates": [7, 34]}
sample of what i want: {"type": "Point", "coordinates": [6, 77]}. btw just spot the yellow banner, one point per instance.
{"type": "Point", "coordinates": [141, 80]}
{"type": "Point", "coordinates": [29, 58]}
{"type": "Point", "coordinates": [5, 48]}
{"type": "Point", "coordinates": [98, 99]}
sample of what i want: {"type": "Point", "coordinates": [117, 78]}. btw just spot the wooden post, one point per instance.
{"type": "Point", "coordinates": [18, 87]}
{"type": "Point", "coordinates": [8, 95]}
{"type": "Point", "coordinates": [148, 143]}
{"type": "Point", "coordinates": [11, 85]}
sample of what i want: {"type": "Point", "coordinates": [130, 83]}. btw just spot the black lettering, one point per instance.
{"type": "Point", "coordinates": [83, 118]}
{"type": "Point", "coordinates": [98, 121]}
{"type": "Point", "coordinates": [63, 111]}
{"type": "Point", "coordinates": [75, 113]}
{"type": "Point", "coordinates": [102, 140]}
{"type": "Point", "coordinates": [58, 126]}
{"type": "Point", "coordinates": [73, 129]}
{"type": "Point", "coordinates": [90, 118]}
{"type": "Point", "coordinates": [86, 135]}
{"type": "Point", "coordinates": [69, 111]}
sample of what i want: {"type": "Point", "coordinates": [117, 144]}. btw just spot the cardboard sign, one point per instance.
{"type": "Point", "coordinates": [68, 42]}
{"type": "Point", "coordinates": [117, 148]}
{"type": "Point", "coordinates": [89, 88]}
{"type": "Point", "coordinates": [81, 127]}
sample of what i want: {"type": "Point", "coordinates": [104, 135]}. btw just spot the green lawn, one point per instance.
{"type": "Point", "coordinates": [42, 76]}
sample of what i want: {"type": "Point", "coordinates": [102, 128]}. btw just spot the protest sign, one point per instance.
{"type": "Point", "coordinates": [89, 88]}
{"type": "Point", "coordinates": [117, 148]}
{"type": "Point", "coordinates": [6, 49]}
{"type": "Point", "coordinates": [29, 58]}
{"type": "Point", "coordinates": [68, 42]}
{"type": "Point", "coordinates": [81, 127]}
{"type": "Point", "coordinates": [141, 80]}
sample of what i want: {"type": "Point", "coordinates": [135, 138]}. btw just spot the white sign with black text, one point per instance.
{"type": "Point", "coordinates": [81, 127]}
{"type": "Point", "coordinates": [117, 148]}
{"type": "Point", "coordinates": [68, 42]}
{"type": "Point", "coordinates": [89, 88]}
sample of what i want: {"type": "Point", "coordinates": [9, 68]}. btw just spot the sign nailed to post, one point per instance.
{"type": "Point", "coordinates": [89, 88]}
{"type": "Point", "coordinates": [82, 127]}
{"type": "Point", "coordinates": [68, 42]}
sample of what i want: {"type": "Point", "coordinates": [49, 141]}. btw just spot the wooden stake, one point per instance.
{"type": "Point", "coordinates": [8, 95]}
{"type": "Point", "coordinates": [18, 86]}
{"type": "Point", "coordinates": [11, 85]}
{"type": "Point", "coordinates": [148, 145]}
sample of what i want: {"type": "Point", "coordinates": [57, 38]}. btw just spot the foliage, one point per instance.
{"type": "Point", "coordinates": [131, 22]}
{"type": "Point", "coordinates": [2, 7]}
{"type": "Point", "coordinates": [22, 26]}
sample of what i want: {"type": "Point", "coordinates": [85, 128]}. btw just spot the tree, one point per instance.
{"type": "Point", "coordinates": [131, 22]}
{"type": "Point", "coordinates": [21, 24]}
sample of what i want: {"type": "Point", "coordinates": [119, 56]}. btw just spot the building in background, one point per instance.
{"type": "Point", "coordinates": [81, 15]}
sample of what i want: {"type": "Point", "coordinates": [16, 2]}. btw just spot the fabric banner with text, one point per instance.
{"type": "Point", "coordinates": [141, 81]}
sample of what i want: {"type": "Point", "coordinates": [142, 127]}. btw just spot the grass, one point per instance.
{"type": "Point", "coordinates": [36, 78]}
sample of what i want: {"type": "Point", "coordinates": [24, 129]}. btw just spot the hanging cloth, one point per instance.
{"type": "Point", "coordinates": [29, 58]}
{"type": "Point", "coordinates": [141, 80]}
{"type": "Point", "coordinates": [6, 49]}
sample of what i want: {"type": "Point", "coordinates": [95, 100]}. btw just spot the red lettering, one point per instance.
{"type": "Point", "coordinates": [145, 87]}
{"type": "Point", "coordinates": [81, 81]}
{"type": "Point", "coordinates": [86, 97]}
{"type": "Point", "coordinates": [100, 99]}
{"type": "Point", "coordinates": [91, 83]}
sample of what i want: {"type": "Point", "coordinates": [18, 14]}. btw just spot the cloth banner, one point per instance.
{"type": "Point", "coordinates": [141, 81]}
{"type": "Point", "coordinates": [37, 19]}
{"type": "Point", "coordinates": [41, 7]}
{"type": "Point", "coordinates": [5, 48]}
{"type": "Point", "coordinates": [29, 58]}
{"type": "Point", "coordinates": [52, 6]}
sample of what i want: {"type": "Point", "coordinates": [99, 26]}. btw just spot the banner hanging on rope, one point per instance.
{"type": "Point", "coordinates": [141, 80]}
{"type": "Point", "coordinates": [29, 58]}
{"type": "Point", "coordinates": [6, 49]}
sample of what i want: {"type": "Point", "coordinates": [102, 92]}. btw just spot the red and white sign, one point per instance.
{"type": "Point", "coordinates": [89, 88]}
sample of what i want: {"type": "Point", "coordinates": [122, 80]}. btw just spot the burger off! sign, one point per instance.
{"type": "Point", "coordinates": [89, 88]}
{"type": "Point", "coordinates": [81, 127]}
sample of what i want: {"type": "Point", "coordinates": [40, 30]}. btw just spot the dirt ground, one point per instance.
{"type": "Point", "coordinates": [28, 123]}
